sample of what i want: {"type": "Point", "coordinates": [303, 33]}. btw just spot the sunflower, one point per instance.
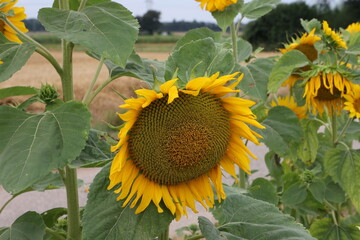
{"type": "Point", "coordinates": [175, 141]}
{"type": "Point", "coordinates": [305, 45]}
{"type": "Point", "coordinates": [326, 90]}
{"type": "Point", "coordinates": [215, 5]}
{"type": "Point", "coordinates": [16, 19]}
{"type": "Point", "coordinates": [1, 62]}
{"type": "Point", "coordinates": [352, 101]}
{"type": "Point", "coordinates": [290, 103]}
{"type": "Point", "coordinates": [334, 37]}
{"type": "Point", "coordinates": [353, 28]}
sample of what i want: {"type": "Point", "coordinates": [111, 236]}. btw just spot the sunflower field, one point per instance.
{"type": "Point", "coordinates": [187, 130]}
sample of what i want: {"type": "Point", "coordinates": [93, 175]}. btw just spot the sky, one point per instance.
{"type": "Point", "coordinates": [187, 10]}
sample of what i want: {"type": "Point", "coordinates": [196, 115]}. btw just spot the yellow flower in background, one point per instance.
{"type": "Point", "coordinates": [353, 28]}
{"type": "Point", "coordinates": [175, 142]}
{"type": "Point", "coordinates": [352, 101]}
{"type": "Point", "coordinates": [19, 15]}
{"type": "Point", "coordinates": [333, 35]}
{"type": "Point", "coordinates": [1, 62]}
{"type": "Point", "coordinates": [326, 90]}
{"type": "Point", "coordinates": [215, 5]}
{"type": "Point", "coordinates": [289, 102]}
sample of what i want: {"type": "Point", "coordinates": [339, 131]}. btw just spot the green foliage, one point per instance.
{"type": "Point", "coordinates": [208, 229]}
{"type": "Point", "coordinates": [263, 189]}
{"type": "Point", "coordinates": [17, 91]}
{"type": "Point", "coordinates": [150, 21]}
{"type": "Point", "coordinates": [326, 229]}
{"type": "Point", "coordinates": [258, 8]}
{"type": "Point", "coordinates": [96, 27]}
{"type": "Point", "coordinates": [116, 222]}
{"type": "Point", "coordinates": [225, 18]}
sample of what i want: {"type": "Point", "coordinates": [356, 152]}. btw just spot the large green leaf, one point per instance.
{"type": "Point", "coordinates": [17, 91]}
{"type": "Point", "coordinates": [256, 76]}
{"type": "Point", "coordinates": [258, 8]}
{"type": "Point", "coordinates": [244, 49]}
{"type": "Point", "coordinates": [253, 219]}
{"type": "Point", "coordinates": [308, 147]}
{"type": "Point", "coordinates": [282, 129]}
{"type": "Point", "coordinates": [196, 34]}
{"type": "Point", "coordinates": [263, 189]}
{"type": "Point", "coordinates": [107, 29]}
{"type": "Point", "coordinates": [208, 229]}
{"type": "Point", "coordinates": [284, 67]}
{"type": "Point", "coordinates": [295, 194]}
{"type": "Point", "coordinates": [105, 219]}
{"type": "Point", "coordinates": [325, 229]}
{"type": "Point", "coordinates": [344, 167]}
{"type": "Point", "coordinates": [199, 58]}
{"type": "Point", "coordinates": [74, 4]}
{"type": "Point", "coordinates": [227, 17]}
{"type": "Point", "coordinates": [14, 57]}
{"type": "Point", "coordinates": [28, 226]}
{"type": "Point", "coordinates": [31, 145]}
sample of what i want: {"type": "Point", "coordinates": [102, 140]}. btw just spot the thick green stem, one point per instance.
{"type": "Point", "coordinates": [96, 92]}
{"type": "Point", "coordinates": [67, 79]}
{"type": "Point", "coordinates": [82, 5]}
{"type": "Point", "coordinates": [7, 202]}
{"type": "Point", "coordinates": [96, 76]}
{"type": "Point", "coordinates": [234, 41]}
{"type": "Point", "coordinates": [242, 178]}
{"type": "Point", "coordinates": [40, 48]}
{"type": "Point", "coordinates": [164, 235]}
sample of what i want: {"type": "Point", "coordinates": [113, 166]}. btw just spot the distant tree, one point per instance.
{"type": "Point", "coordinates": [183, 26]}
{"type": "Point", "coordinates": [150, 22]}
{"type": "Point", "coordinates": [34, 25]}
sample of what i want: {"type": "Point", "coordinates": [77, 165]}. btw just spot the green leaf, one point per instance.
{"type": "Point", "coordinates": [209, 231]}
{"type": "Point", "coordinates": [196, 34]}
{"type": "Point", "coordinates": [107, 29]}
{"type": "Point", "coordinates": [225, 18]}
{"type": "Point", "coordinates": [199, 58]}
{"type": "Point", "coordinates": [258, 8]}
{"type": "Point", "coordinates": [17, 91]}
{"type": "Point", "coordinates": [74, 4]}
{"type": "Point", "coordinates": [310, 25]}
{"type": "Point", "coordinates": [256, 76]}
{"type": "Point", "coordinates": [96, 152]}
{"type": "Point", "coordinates": [282, 129]}
{"type": "Point", "coordinates": [325, 229]}
{"type": "Point", "coordinates": [284, 67]}
{"type": "Point", "coordinates": [308, 147]}
{"type": "Point", "coordinates": [318, 190]}
{"type": "Point", "coordinates": [244, 49]}
{"type": "Point", "coordinates": [28, 226]}
{"type": "Point", "coordinates": [263, 189]}
{"type": "Point", "coordinates": [334, 193]}
{"type": "Point", "coordinates": [105, 219]}
{"type": "Point", "coordinates": [295, 194]}
{"type": "Point", "coordinates": [31, 145]}
{"type": "Point", "coordinates": [51, 216]}
{"type": "Point", "coordinates": [344, 167]}
{"type": "Point", "coordinates": [14, 57]}
{"type": "Point", "coordinates": [249, 218]}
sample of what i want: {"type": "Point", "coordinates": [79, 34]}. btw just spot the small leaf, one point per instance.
{"type": "Point", "coordinates": [244, 49]}
{"type": "Point", "coordinates": [14, 57]}
{"type": "Point", "coordinates": [284, 67]}
{"type": "Point", "coordinates": [258, 8]}
{"type": "Point", "coordinates": [107, 29]}
{"type": "Point", "coordinates": [308, 147]}
{"type": "Point", "coordinates": [334, 193]}
{"type": "Point", "coordinates": [225, 18]}
{"type": "Point", "coordinates": [263, 189]}
{"type": "Point", "coordinates": [51, 216]}
{"type": "Point", "coordinates": [17, 91]}
{"type": "Point", "coordinates": [105, 219]}
{"type": "Point", "coordinates": [196, 34]}
{"type": "Point", "coordinates": [209, 231]}
{"type": "Point", "coordinates": [31, 145]}
{"type": "Point", "coordinates": [295, 194]}
{"type": "Point", "coordinates": [318, 189]}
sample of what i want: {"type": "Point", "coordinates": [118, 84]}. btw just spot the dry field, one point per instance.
{"type": "Point", "coordinates": [38, 71]}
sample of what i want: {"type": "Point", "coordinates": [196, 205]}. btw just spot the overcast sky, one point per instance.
{"type": "Point", "coordinates": [170, 9]}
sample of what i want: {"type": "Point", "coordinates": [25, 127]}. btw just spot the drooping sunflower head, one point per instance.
{"type": "Point", "coordinates": [326, 90]}
{"type": "Point", "coordinates": [353, 28]}
{"type": "Point", "coordinates": [215, 5]}
{"type": "Point", "coordinates": [289, 102]}
{"type": "Point", "coordinates": [352, 101]}
{"type": "Point", "coordinates": [16, 19]}
{"type": "Point", "coordinates": [175, 142]}
{"type": "Point", "coordinates": [333, 37]}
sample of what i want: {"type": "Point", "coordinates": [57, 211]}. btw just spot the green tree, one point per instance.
{"type": "Point", "coordinates": [150, 22]}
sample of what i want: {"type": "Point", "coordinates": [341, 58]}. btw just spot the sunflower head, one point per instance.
{"type": "Point", "coordinates": [215, 5]}
{"type": "Point", "coordinates": [289, 102]}
{"type": "Point", "coordinates": [353, 28]}
{"type": "Point", "coordinates": [352, 101]}
{"type": "Point", "coordinates": [326, 90]}
{"type": "Point", "coordinates": [16, 18]}
{"type": "Point", "coordinates": [332, 36]}
{"type": "Point", "coordinates": [174, 143]}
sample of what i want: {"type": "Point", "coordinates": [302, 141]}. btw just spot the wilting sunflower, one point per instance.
{"type": "Point", "coordinates": [305, 45]}
{"type": "Point", "coordinates": [175, 141]}
{"type": "Point", "coordinates": [352, 101]}
{"type": "Point", "coordinates": [19, 15]}
{"type": "Point", "coordinates": [353, 28]}
{"type": "Point", "coordinates": [289, 102]}
{"type": "Point", "coordinates": [334, 37]}
{"type": "Point", "coordinates": [215, 5]}
{"type": "Point", "coordinates": [326, 90]}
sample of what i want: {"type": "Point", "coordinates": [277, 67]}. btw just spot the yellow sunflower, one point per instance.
{"type": "Point", "coordinates": [175, 141]}
{"type": "Point", "coordinates": [1, 62]}
{"type": "Point", "coordinates": [215, 5]}
{"type": "Point", "coordinates": [326, 90]}
{"type": "Point", "coordinates": [289, 102]}
{"type": "Point", "coordinates": [353, 28]}
{"type": "Point", "coordinates": [352, 101]}
{"type": "Point", "coordinates": [333, 35]}
{"type": "Point", "coordinates": [305, 45]}
{"type": "Point", "coordinates": [19, 15]}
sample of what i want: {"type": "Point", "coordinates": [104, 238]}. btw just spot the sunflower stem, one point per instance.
{"type": "Point", "coordinates": [7, 202]}
{"type": "Point", "coordinates": [82, 5]}
{"type": "Point", "coordinates": [242, 178]}
{"type": "Point", "coordinates": [234, 41]}
{"type": "Point", "coordinates": [54, 234]}
{"type": "Point", "coordinates": [334, 128]}
{"type": "Point", "coordinates": [197, 237]}
{"type": "Point", "coordinates": [96, 92]}
{"type": "Point", "coordinates": [96, 76]}
{"type": "Point", "coordinates": [43, 51]}
{"type": "Point", "coordinates": [347, 124]}
{"type": "Point", "coordinates": [165, 234]}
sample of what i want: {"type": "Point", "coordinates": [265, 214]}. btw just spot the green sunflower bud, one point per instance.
{"type": "Point", "coordinates": [308, 176]}
{"type": "Point", "coordinates": [48, 94]}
